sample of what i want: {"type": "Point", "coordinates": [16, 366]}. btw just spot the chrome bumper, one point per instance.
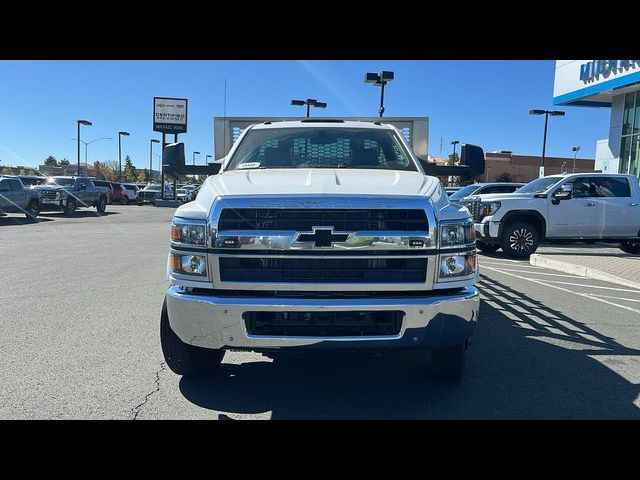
{"type": "Point", "coordinates": [435, 320]}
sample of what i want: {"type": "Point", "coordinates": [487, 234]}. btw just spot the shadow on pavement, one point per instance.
{"type": "Point", "coordinates": [21, 220]}
{"type": "Point", "coordinates": [512, 371]}
{"type": "Point", "coordinates": [79, 214]}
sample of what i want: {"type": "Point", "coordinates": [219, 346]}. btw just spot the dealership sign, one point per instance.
{"type": "Point", "coordinates": [169, 115]}
{"type": "Point", "coordinates": [592, 70]}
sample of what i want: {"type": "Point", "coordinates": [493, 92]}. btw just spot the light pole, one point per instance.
{"type": "Point", "coordinates": [207, 158]}
{"type": "Point", "coordinates": [120, 135]}
{"type": "Point", "coordinates": [309, 102]}
{"type": "Point", "coordinates": [454, 143]}
{"type": "Point", "coordinates": [379, 80]}
{"type": "Point", "coordinates": [194, 157]}
{"type": "Point", "coordinates": [86, 144]}
{"type": "Point", "coordinates": [88, 124]}
{"type": "Point", "coordinates": [575, 154]}
{"type": "Point", "coordinates": [159, 166]}
{"type": "Point", "coordinates": [153, 140]}
{"type": "Point", "coordinates": [546, 114]}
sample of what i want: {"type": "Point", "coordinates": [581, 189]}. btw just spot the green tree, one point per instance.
{"type": "Point", "coordinates": [51, 161]}
{"type": "Point", "coordinates": [129, 170]}
{"type": "Point", "coordinates": [504, 177]}
{"type": "Point", "coordinates": [453, 159]}
{"type": "Point", "coordinates": [64, 161]}
{"type": "Point", "coordinates": [143, 176]}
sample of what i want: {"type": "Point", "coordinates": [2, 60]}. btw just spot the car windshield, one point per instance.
{"type": "Point", "coordinates": [326, 147]}
{"type": "Point", "coordinates": [66, 182]}
{"type": "Point", "coordinates": [152, 188]}
{"type": "Point", "coordinates": [539, 185]}
{"type": "Point", "coordinates": [464, 192]}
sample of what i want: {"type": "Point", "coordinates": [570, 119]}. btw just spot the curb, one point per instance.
{"type": "Point", "coordinates": [538, 260]}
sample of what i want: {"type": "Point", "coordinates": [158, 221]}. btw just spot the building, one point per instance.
{"type": "Point", "coordinates": [524, 168]}
{"type": "Point", "coordinates": [613, 84]}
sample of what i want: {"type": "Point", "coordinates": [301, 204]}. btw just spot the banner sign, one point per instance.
{"type": "Point", "coordinates": [169, 115]}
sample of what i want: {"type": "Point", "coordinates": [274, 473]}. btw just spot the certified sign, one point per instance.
{"type": "Point", "coordinates": [169, 115]}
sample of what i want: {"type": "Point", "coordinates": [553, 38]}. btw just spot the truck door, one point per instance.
{"type": "Point", "coordinates": [80, 191]}
{"type": "Point", "coordinates": [5, 194]}
{"type": "Point", "coordinates": [621, 210]}
{"type": "Point", "coordinates": [580, 216]}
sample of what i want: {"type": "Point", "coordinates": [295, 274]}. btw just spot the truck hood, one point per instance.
{"type": "Point", "coordinates": [50, 187]}
{"type": "Point", "coordinates": [499, 197]}
{"type": "Point", "coordinates": [323, 181]}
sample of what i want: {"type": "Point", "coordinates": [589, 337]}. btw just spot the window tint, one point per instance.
{"type": "Point", "coordinates": [582, 188]}
{"type": "Point", "coordinates": [499, 189]}
{"type": "Point", "coordinates": [15, 185]}
{"type": "Point", "coordinates": [611, 187]}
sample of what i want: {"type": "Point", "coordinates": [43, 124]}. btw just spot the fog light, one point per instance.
{"type": "Point", "coordinates": [457, 265]}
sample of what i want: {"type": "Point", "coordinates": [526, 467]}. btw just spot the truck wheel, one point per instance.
{"type": "Point", "coordinates": [448, 362]}
{"type": "Point", "coordinates": [125, 200]}
{"type": "Point", "coordinates": [33, 209]}
{"type": "Point", "coordinates": [520, 239]}
{"type": "Point", "coordinates": [70, 207]}
{"type": "Point", "coordinates": [630, 247]}
{"type": "Point", "coordinates": [184, 359]}
{"type": "Point", "coordinates": [487, 247]}
{"type": "Point", "coordinates": [102, 204]}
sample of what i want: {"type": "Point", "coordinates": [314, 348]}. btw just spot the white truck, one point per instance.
{"type": "Point", "coordinates": [583, 206]}
{"type": "Point", "coordinates": [320, 235]}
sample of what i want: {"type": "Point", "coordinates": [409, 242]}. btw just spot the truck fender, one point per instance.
{"type": "Point", "coordinates": [532, 216]}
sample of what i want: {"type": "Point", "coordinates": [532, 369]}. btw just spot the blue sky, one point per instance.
{"type": "Point", "coordinates": [481, 102]}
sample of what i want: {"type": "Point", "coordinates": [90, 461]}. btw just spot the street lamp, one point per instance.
{"type": "Point", "coordinates": [454, 143]}
{"type": "Point", "coordinates": [194, 157]}
{"type": "Point", "coordinates": [86, 144]}
{"type": "Point", "coordinates": [309, 102]}
{"type": "Point", "coordinates": [379, 80]}
{"type": "Point", "coordinates": [546, 114]}
{"type": "Point", "coordinates": [88, 124]}
{"type": "Point", "coordinates": [153, 140]}
{"type": "Point", "coordinates": [575, 154]}
{"type": "Point", "coordinates": [120, 135]}
{"type": "Point", "coordinates": [207, 158]}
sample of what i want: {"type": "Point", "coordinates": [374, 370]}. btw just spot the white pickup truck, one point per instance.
{"type": "Point", "coordinates": [584, 206]}
{"type": "Point", "coordinates": [320, 234]}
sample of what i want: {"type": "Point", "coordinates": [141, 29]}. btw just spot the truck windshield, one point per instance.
{"type": "Point", "coordinates": [464, 192]}
{"type": "Point", "coordinates": [539, 185]}
{"type": "Point", "coordinates": [65, 182]}
{"type": "Point", "coordinates": [362, 148]}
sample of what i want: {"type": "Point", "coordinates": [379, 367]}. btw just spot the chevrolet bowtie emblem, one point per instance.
{"type": "Point", "coordinates": [322, 237]}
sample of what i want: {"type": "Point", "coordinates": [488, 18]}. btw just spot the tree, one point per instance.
{"type": "Point", "coordinates": [64, 161]}
{"type": "Point", "coordinates": [129, 170]}
{"type": "Point", "coordinates": [104, 171]}
{"type": "Point", "coordinates": [504, 177]}
{"type": "Point", "coordinates": [143, 176]}
{"type": "Point", "coordinates": [453, 159]}
{"type": "Point", "coordinates": [51, 161]}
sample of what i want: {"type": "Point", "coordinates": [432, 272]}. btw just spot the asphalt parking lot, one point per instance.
{"type": "Point", "coordinates": [80, 301]}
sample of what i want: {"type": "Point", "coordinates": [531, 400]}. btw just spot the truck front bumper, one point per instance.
{"type": "Point", "coordinates": [487, 232]}
{"type": "Point", "coordinates": [437, 319]}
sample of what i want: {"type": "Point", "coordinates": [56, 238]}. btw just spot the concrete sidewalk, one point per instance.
{"type": "Point", "coordinates": [622, 268]}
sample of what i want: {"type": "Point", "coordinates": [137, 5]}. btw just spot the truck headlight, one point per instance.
{"type": "Point", "coordinates": [189, 233]}
{"type": "Point", "coordinates": [457, 265]}
{"type": "Point", "coordinates": [491, 208]}
{"type": "Point", "coordinates": [458, 234]}
{"type": "Point", "coordinates": [189, 264]}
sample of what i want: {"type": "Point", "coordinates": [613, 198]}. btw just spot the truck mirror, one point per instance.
{"type": "Point", "coordinates": [565, 192]}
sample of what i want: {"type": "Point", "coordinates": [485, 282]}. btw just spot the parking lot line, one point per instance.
{"type": "Point", "coordinates": [593, 286]}
{"type": "Point", "coordinates": [615, 298]}
{"type": "Point", "coordinates": [538, 273]}
{"type": "Point", "coordinates": [562, 289]}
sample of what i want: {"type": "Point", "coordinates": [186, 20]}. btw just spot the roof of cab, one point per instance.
{"type": "Point", "coordinates": [322, 122]}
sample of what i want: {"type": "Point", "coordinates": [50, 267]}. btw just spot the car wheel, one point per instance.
{"type": "Point", "coordinates": [520, 239]}
{"type": "Point", "coordinates": [102, 205]}
{"type": "Point", "coordinates": [630, 247]}
{"type": "Point", "coordinates": [125, 200]}
{"type": "Point", "coordinates": [33, 209]}
{"type": "Point", "coordinates": [487, 247]}
{"type": "Point", "coordinates": [182, 358]}
{"type": "Point", "coordinates": [70, 207]}
{"type": "Point", "coordinates": [448, 362]}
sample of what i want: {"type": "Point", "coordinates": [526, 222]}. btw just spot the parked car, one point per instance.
{"type": "Point", "coordinates": [151, 193]}
{"type": "Point", "coordinates": [484, 188]}
{"type": "Point", "coordinates": [129, 194]}
{"type": "Point", "coordinates": [182, 195]}
{"type": "Point", "coordinates": [117, 195]}
{"type": "Point", "coordinates": [355, 250]}
{"type": "Point", "coordinates": [69, 193]}
{"type": "Point", "coordinates": [107, 185]}
{"type": "Point", "coordinates": [451, 190]}
{"type": "Point", "coordinates": [192, 192]}
{"type": "Point", "coordinates": [577, 207]}
{"type": "Point", "coordinates": [32, 180]}
{"type": "Point", "coordinates": [16, 198]}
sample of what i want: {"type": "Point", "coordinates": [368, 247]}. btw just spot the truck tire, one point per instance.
{"type": "Point", "coordinates": [184, 359]}
{"type": "Point", "coordinates": [70, 207]}
{"type": "Point", "coordinates": [520, 239]}
{"type": "Point", "coordinates": [32, 210]}
{"type": "Point", "coordinates": [448, 362]}
{"type": "Point", "coordinates": [487, 247]}
{"type": "Point", "coordinates": [102, 204]}
{"type": "Point", "coordinates": [631, 247]}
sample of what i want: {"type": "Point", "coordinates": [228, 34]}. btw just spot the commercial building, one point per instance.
{"type": "Point", "coordinates": [613, 84]}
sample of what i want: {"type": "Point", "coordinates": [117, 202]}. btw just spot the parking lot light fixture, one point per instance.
{"type": "Point", "coordinates": [575, 150]}
{"type": "Point", "coordinates": [309, 102]}
{"type": "Point", "coordinates": [120, 135]}
{"type": "Point", "coordinates": [546, 113]}
{"type": "Point", "coordinates": [85, 123]}
{"type": "Point", "coordinates": [194, 157]}
{"type": "Point", "coordinates": [379, 80]}
{"type": "Point", "coordinates": [207, 158]}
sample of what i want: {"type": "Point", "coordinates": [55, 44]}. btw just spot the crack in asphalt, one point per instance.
{"type": "Point", "coordinates": [135, 411]}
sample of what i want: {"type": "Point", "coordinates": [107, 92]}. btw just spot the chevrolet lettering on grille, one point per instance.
{"type": "Point", "coordinates": [322, 237]}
